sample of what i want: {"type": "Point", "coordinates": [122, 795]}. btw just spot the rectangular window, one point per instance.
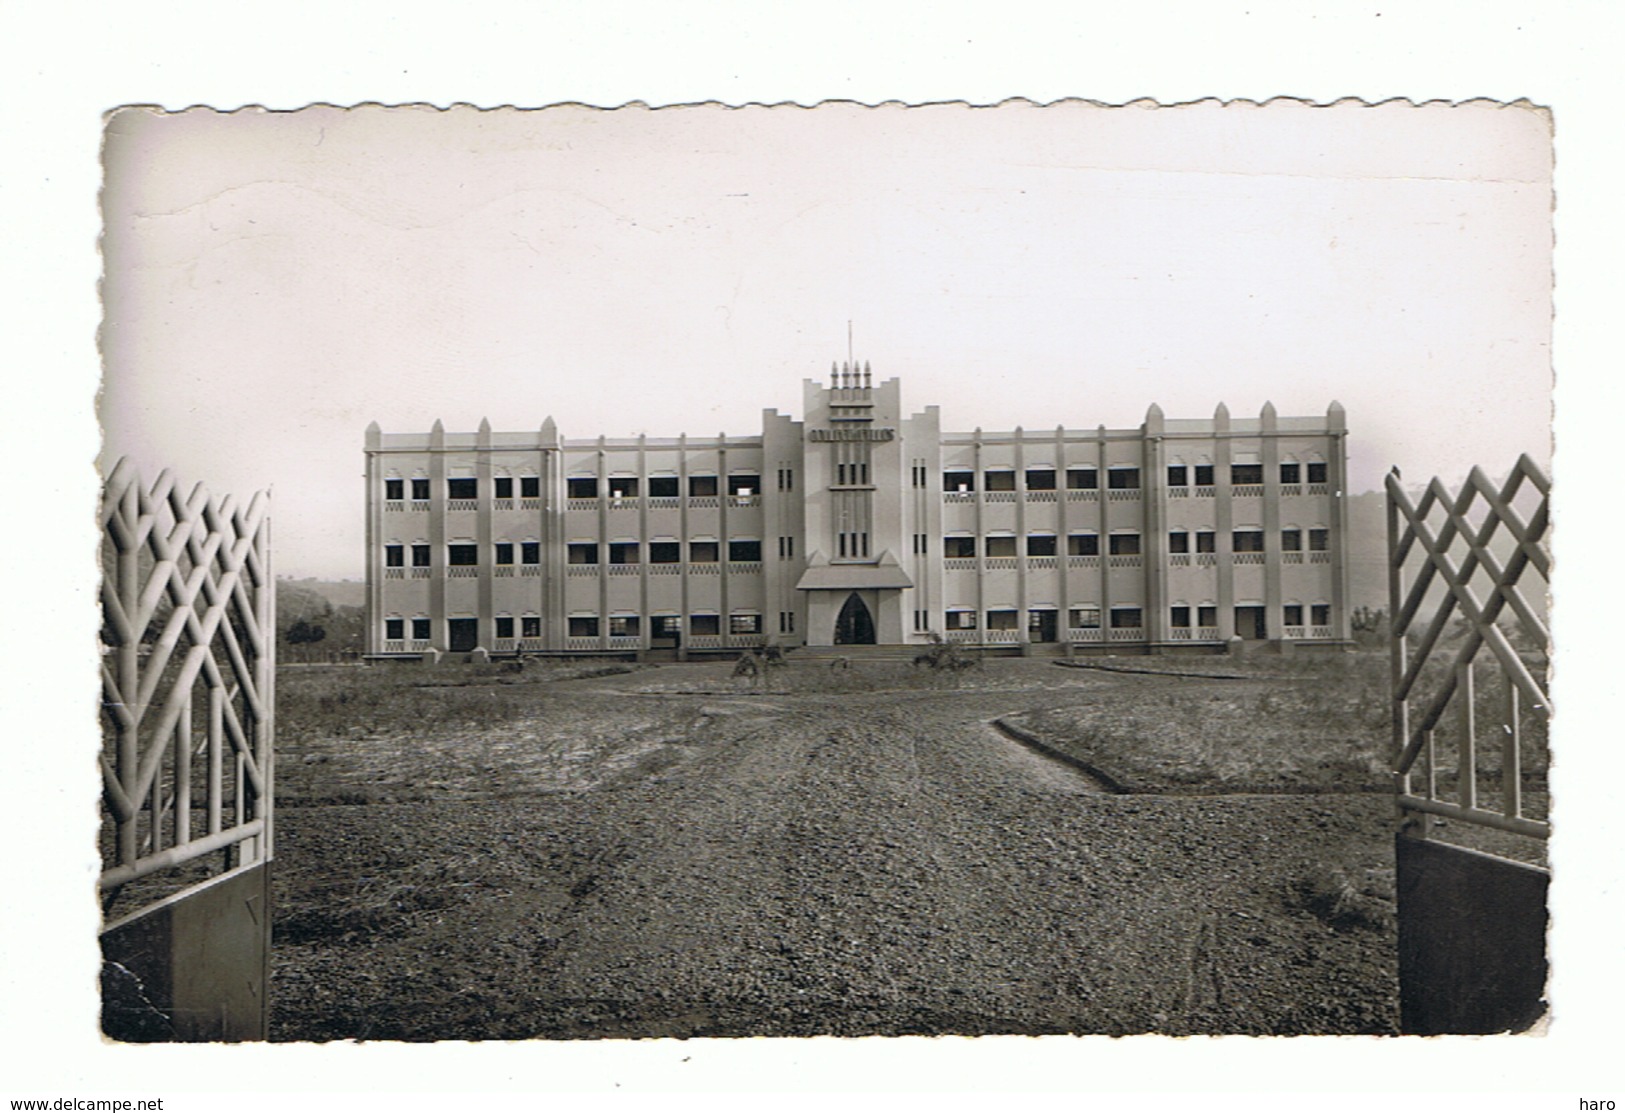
{"type": "Point", "coordinates": [623, 552]}
{"type": "Point", "coordinates": [395, 629]}
{"type": "Point", "coordinates": [420, 629]}
{"type": "Point", "coordinates": [1179, 541]}
{"type": "Point", "coordinates": [394, 556]}
{"type": "Point", "coordinates": [420, 556]}
{"type": "Point", "coordinates": [704, 624]}
{"type": "Point", "coordinates": [1292, 540]}
{"type": "Point", "coordinates": [1083, 544]}
{"type": "Point", "coordinates": [744, 484]}
{"type": "Point", "coordinates": [504, 625]}
{"type": "Point", "coordinates": [1126, 618]}
{"type": "Point", "coordinates": [1204, 475]}
{"type": "Point", "coordinates": [1320, 540]}
{"type": "Point", "coordinates": [1082, 479]}
{"type": "Point", "coordinates": [1247, 541]}
{"type": "Point", "coordinates": [1207, 616]}
{"type": "Point", "coordinates": [999, 480]}
{"type": "Point", "coordinates": [1040, 479]}
{"type": "Point", "coordinates": [530, 486]}
{"type": "Point", "coordinates": [1001, 546]}
{"type": "Point", "coordinates": [1317, 471]}
{"type": "Point", "coordinates": [530, 552]}
{"type": "Point", "coordinates": [1179, 617]}
{"type": "Point", "coordinates": [462, 556]}
{"type": "Point", "coordinates": [1125, 544]}
{"type": "Point", "coordinates": [1040, 544]}
{"type": "Point", "coordinates": [1085, 618]}
{"type": "Point", "coordinates": [530, 626]}
{"type": "Point", "coordinates": [787, 622]}
{"type": "Point", "coordinates": [623, 625]}
{"type": "Point", "coordinates": [581, 552]}
{"type": "Point", "coordinates": [1246, 475]}
{"type": "Point", "coordinates": [394, 489]}
{"type": "Point", "coordinates": [665, 552]}
{"type": "Point", "coordinates": [744, 550]}
{"type": "Point", "coordinates": [1320, 614]}
{"type": "Point", "coordinates": [958, 480]}
{"type": "Point", "coordinates": [787, 548]}
{"type": "Point", "coordinates": [1289, 474]}
{"type": "Point", "coordinates": [667, 626]}
{"type": "Point", "coordinates": [1206, 541]}
{"type": "Point", "coordinates": [961, 620]}
{"type": "Point", "coordinates": [919, 475]}
{"type": "Point", "coordinates": [420, 490]}
{"type": "Point", "coordinates": [1292, 614]}
{"type": "Point", "coordinates": [663, 487]}
{"type": "Point", "coordinates": [504, 552]}
{"type": "Point", "coordinates": [1178, 475]}
{"type": "Point", "coordinates": [703, 552]}
{"type": "Point", "coordinates": [1123, 479]}
{"type": "Point", "coordinates": [744, 624]}
{"type": "Point", "coordinates": [960, 547]}
{"type": "Point", "coordinates": [581, 487]}
{"type": "Point", "coordinates": [623, 487]}
{"type": "Point", "coordinates": [502, 488]}
{"type": "Point", "coordinates": [583, 626]}
{"type": "Point", "coordinates": [702, 486]}
{"type": "Point", "coordinates": [1001, 620]}
{"type": "Point", "coordinates": [462, 488]}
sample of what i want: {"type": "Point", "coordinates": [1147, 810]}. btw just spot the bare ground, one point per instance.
{"type": "Point", "coordinates": [669, 853]}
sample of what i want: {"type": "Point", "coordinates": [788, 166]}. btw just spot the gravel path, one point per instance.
{"type": "Point", "coordinates": [874, 864]}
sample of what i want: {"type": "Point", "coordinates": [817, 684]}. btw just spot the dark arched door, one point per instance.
{"type": "Point", "coordinates": [855, 626]}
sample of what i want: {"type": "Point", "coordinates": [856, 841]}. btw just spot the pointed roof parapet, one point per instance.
{"type": "Point", "coordinates": [483, 436]}
{"type": "Point", "coordinates": [437, 434]}
{"type": "Point", "coordinates": [375, 435]}
{"type": "Point", "coordinates": [1221, 418]}
{"type": "Point", "coordinates": [1266, 417]}
{"type": "Point", "coordinates": [1336, 419]}
{"type": "Point", "coordinates": [1153, 419]}
{"type": "Point", "coordinates": [550, 433]}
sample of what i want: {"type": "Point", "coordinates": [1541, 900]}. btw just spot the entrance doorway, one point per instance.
{"type": "Point", "coordinates": [1250, 624]}
{"type": "Point", "coordinates": [465, 634]}
{"type": "Point", "coordinates": [855, 625]}
{"type": "Point", "coordinates": [1042, 626]}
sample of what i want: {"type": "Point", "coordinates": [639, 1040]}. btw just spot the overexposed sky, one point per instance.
{"type": "Point", "coordinates": [275, 281]}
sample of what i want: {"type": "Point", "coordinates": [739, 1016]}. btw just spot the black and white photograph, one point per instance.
{"type": "Point", "coordinates": [780, 571]}
{"type": "Point", "coordinates": [623, 555]}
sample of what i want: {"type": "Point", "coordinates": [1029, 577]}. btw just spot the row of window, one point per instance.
{"type": "Point", "coordinates": [587, 487]}
{"type": "Point", "coordinates": [1126, 477]}
{"type": "Point", "coordinates": [590, 626]}
{"type": "Point", "coordinates": [1127, 543]}
{"type": "Point", "coordinates": [466, 554]}
{"type": "Point", "coordinates": [1126, 617]}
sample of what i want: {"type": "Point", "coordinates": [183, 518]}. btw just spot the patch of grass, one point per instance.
{"type": "Point", "coordinates": [1337, 899]}
{"type": "Point", "coordinates": [1320, 724]}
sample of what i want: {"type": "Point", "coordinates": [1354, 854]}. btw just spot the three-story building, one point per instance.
{"type": "Point", "coordinates": [858, 524]}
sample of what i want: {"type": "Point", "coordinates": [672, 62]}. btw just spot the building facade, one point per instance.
{"type": "Point", "coordinates": [858, 524]}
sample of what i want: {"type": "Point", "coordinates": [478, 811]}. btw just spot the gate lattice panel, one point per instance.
{"type": "Point", "coordinates": [187, 677]}
{"type": "Point", "coordinates": [1470, 696]}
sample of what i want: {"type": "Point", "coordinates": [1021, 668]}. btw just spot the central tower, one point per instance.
{"type": "Point", "coordinates": [853, 453]}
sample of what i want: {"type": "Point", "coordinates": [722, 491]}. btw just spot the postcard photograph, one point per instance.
{"type": "Point", "coordinates": [703, 571]}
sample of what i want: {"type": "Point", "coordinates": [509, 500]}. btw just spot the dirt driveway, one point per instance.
{"type": "Point", "coordinates": [867, 863]}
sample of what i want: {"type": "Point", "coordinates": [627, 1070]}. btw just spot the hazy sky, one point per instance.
{"type": "Point", "coordinates": [275, 281]}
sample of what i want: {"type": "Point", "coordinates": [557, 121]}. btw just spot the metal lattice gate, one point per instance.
{"type": "Point", "coordinates": [188, 656]}
{"type": "Point", "coordinates": [1468, 573]}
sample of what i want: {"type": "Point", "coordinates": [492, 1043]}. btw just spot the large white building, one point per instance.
{"type": "Point", "coordinates": [858, 524]}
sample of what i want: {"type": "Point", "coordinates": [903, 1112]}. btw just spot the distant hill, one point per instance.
{"type": "Point", "coordinates": [340, 593]}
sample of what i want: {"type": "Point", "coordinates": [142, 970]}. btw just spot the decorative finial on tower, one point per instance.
{"type": "Point", "coordinates": [865, 374]}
